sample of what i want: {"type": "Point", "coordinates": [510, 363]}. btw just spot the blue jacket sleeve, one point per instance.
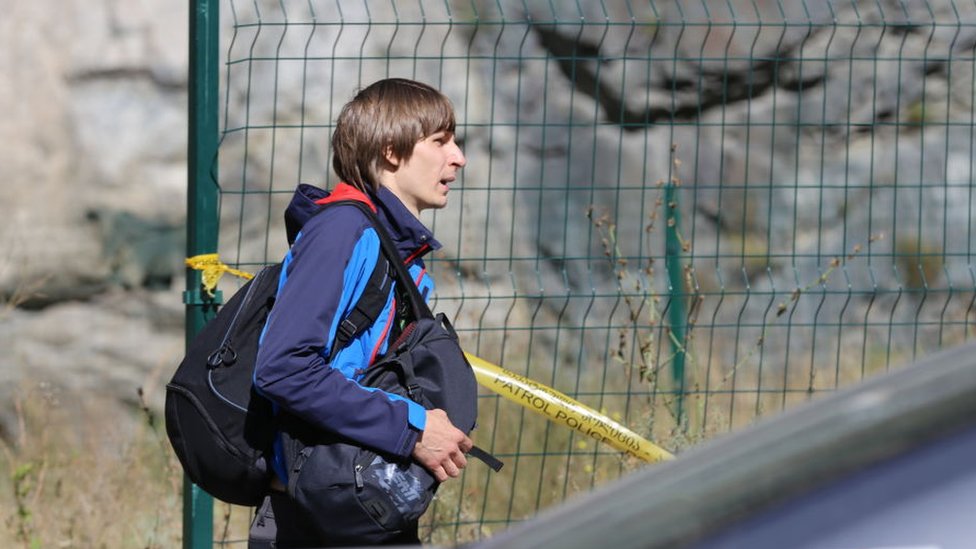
{"type": "Point", "coordinates": [322, 277]}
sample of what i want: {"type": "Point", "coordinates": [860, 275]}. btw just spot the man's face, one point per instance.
{"type": "Point", "coordinates": [423, 181]}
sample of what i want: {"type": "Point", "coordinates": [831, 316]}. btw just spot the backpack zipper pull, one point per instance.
{"type": "Point", "coordinates": [359, 476]}
{"type": "Point", "coordinates": [301, 459]}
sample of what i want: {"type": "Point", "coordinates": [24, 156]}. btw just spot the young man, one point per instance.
{"type": "Point", "coordinates": [394, 148]}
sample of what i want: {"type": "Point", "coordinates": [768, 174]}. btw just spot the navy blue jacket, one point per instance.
{"type": "Point", "coordinates": [324, 273]}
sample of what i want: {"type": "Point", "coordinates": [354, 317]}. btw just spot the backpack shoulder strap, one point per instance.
{"type": "Point", "coordinates": [389, 267]}
{"type": "Point", "coordinates": [373, 299]}
{"type": "Point", "coordinates": [367, 309]}
{"type": "Point", "coordinates": [410, 293]}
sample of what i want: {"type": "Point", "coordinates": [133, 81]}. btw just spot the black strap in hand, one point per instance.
{"type": "Point", "coordinates": [490, 460]}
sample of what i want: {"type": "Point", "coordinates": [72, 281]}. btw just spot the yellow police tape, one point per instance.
{"type": "Point", "coordinates": [563, 410]}
{"type": "Point", "coordinates": [521, 390]}
{"type": "Point", "coordinates": [213, 268]}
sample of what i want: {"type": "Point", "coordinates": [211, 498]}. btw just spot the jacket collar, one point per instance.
{"type": "Point", "coordinates": [411, 237]}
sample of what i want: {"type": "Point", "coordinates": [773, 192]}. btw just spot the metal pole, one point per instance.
{"type": "Point", "coordinates": [678, 311]}
{"type": "Point", "coordinates": [202, 221]}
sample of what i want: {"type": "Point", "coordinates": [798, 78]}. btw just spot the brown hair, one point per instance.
{"type": "Point", "coordinates": [392, 114]}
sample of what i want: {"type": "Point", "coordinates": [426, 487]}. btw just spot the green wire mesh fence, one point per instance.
{"type": "Point", "coordinates": [685, 214]}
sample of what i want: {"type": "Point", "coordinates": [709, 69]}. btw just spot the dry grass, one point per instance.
{"type": "Point", "coordinates": [86, 472]}
{"type": "Point", "coordinates": [83, 472]}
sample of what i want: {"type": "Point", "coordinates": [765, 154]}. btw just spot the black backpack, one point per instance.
{"type": "Point", "coordinates": [356, 495]}
{"type": "Point", "coordinates": [220, 428]}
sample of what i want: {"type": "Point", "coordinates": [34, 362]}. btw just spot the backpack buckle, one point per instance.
{"type": "Point", "coordinates": [224, 356]}
{"type": "Point", "coordinates": [347, 328]}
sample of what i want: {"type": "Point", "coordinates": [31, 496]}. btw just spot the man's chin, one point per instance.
{"type": "Point", "coordinates": [440, 205]}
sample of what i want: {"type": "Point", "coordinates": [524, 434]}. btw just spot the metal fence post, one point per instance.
{"type": "Point", "coordinates": [678, 311]}
{"type": "Point", "coordinates": [202, 221]}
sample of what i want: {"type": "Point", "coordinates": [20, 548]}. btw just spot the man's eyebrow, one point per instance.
{"type": "Point", "coordinates": [443, 134]}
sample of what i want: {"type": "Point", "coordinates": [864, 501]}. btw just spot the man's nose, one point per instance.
{"type": "Point", "coordinates": [458, 158]}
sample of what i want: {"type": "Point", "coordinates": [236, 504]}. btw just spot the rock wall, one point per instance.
{"type": "Point", "coordinates": [92, 195]}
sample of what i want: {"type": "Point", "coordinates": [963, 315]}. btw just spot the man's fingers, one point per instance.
{"type": "Point", "coordinates": [440, 475]}
{"type": "Point", "coordinates": [460, 460]}
{"type": "Point", "coordinates": [452, 469]}
{"type": "Point", "coordinates": [442, 446]}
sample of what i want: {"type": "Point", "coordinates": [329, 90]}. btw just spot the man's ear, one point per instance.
{"type": "Point", "coordinates": [390, 158]}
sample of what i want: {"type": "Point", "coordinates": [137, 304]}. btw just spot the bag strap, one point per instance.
{"type": "Point", "coordinates": [367, 309]}
{"type": "Point", "coordinates": [488, 459]}
{"type": "Point", "coordinates": [408, 290]}
{"type": "Point", "coordinates": [373, 299]}
{"type": "Point", "coordinates": [418, 306]}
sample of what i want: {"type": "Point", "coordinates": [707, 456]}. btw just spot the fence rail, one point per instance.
{"type": "Point", "coordinates": [686, 214]}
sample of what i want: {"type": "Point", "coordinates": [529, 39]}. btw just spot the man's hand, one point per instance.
{"type": "Point", "coordinates": [441, 446]}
